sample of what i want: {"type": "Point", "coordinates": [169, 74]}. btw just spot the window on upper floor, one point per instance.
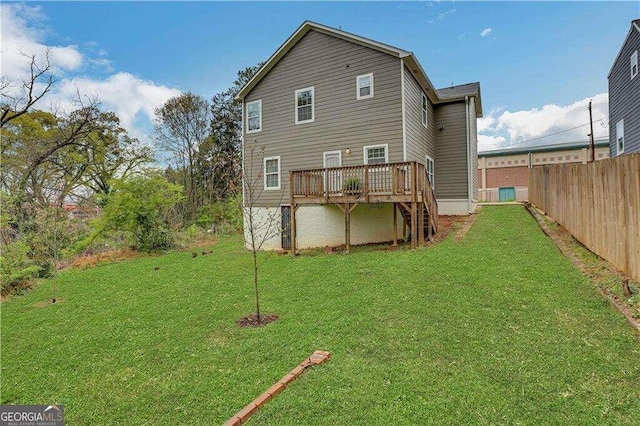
{"type": "Point", "coordinates": [634, 64]}
{"type": "Point", "coordinates": [425, 104]}
{"type": "Point", "coordinates": [431, 170]}
{"type": "Point", "coordinates": [272, 173]}
{"type": "Point", "coordinates": [620, 137]}
{"type": "Point", "coordinates": [254, 116]}
{"type": "Point", "coordinates": [305, 108]}
{"type": "Point", "coordinates": [364, 86]}
{"type": "Point", "coordinates": [376, 154]}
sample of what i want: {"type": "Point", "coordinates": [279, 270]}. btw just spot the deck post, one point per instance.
{"type": "Point", "coordinates": [421, 224]}
{"type": "Point", "coordinates": [414, 225]}
{"type": "Point", "coordinates": [293, 214]}
{"type": "Point", "coordinates": [347, 227]}
{"type": "Point", "coordinates": [395, 224]}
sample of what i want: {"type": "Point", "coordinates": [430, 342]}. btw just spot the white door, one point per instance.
{"type": "Point", "coordinates": [333, 159]}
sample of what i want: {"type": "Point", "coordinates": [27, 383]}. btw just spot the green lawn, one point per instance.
{"type": "Point", "coordinates": [497, 329]}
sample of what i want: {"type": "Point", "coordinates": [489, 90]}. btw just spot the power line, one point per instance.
{"type": "Point", "coordinates": [550, 134]}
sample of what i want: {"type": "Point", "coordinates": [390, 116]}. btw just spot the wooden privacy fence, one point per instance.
{"type": "Point", "coordinates": [598, 203]}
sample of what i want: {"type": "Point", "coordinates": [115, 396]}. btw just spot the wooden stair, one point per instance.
{"type": "Point", "coordinates": [429, 228]}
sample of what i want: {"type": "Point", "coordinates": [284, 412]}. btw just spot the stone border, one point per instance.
{"type": "Point", "coordinates": [316, 358]}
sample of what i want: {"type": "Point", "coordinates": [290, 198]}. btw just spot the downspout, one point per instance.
{"type": "Point", "coordinates": [469, 162]}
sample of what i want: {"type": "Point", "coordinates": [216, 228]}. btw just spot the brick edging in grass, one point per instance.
{"type": "Point", "coordinates": [318, 357]}
{"type": "Point", "coordinates": [568, 253]}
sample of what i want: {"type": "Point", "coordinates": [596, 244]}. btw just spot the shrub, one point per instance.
{"type": "Point", "coordinates": [18, 270]}
{"type": "Point", "coordinates": [351, 184]}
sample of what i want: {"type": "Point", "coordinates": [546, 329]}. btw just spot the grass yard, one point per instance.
{"type": "Point", "coordinates": [496, 329]}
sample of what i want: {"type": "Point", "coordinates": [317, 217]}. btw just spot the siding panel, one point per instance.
{"type": "Point", "coordinates": [451, 151]}
{"type": "Point", "coordinates": [624, 97]}
{"type": "Point", "coordinates": [341, 121]}
{"type": "Point", "coordinates": [420, 141]}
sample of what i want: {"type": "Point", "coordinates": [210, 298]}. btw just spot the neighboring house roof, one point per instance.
{"type": "Point", "coordinates": [634, 24]}
{"type": "Point", "coordinates": [408, 57]}
{"type": "Point", "coordinates": [599, 143]}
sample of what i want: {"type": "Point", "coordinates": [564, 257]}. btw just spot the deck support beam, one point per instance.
{"type": "Point", "coordinates": [414, 225]}
{"type": "Point", "coordinates": [294, 247]}
{"type": "Point", "coordinates": [421, 224]}
{"type": "Point", "coordinates": [395, 224]}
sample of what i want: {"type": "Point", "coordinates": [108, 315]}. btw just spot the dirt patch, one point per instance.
{"type": "Point", "coordinates": [46, 303]}
{"type": "Point", "coordinates": [252, 320]}
{"type": "Point", "coordinates": [601, 273]}
{"type": "Point", "coordinates": [91, 260]}
{"type": "Point", "coordinates": [468, 223]}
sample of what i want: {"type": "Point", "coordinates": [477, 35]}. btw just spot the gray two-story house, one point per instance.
{"type": "Point", "coordinates": [624, 96]}
{"type": "Point", "coordinates": [349, 142]}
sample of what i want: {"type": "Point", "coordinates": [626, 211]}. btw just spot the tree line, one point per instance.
{"type": "Point", "coordinates": [76, 181]}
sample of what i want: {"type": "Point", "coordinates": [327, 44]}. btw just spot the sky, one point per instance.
{"type": "Point", "coordinates": [538, 63]}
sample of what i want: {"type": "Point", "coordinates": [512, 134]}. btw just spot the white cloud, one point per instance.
{"type": "Point", "coordinates": [440, 16]}
{"type": "Point", "coordinates": [546, 125]}
{"type": "Point", "coordinates": [132, 98]}
{"type": "Point", "coordinates": [486, 32]}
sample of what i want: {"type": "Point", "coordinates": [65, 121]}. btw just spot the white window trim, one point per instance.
{"type": "Point", "coordinates": [433, 172]}
{"type": "Point", "coordinates": [324, 157]}
{"type": "Point", "coordinates": [370, 95]}
{"type": "Point", "coordinates": [313, 105]}
{"type": "Point", "coordinates": [386, 152]}
{"type": "Point", "coordinates": [259, 102]}
{"type": "Point", "coordinates": [634, 61]}
{"type": "Point", "coordinates": [424, 115]}
{"type": "Point", "coordinates": [620, 126]}
{"type": "Point", "coordinates": [264, 172]}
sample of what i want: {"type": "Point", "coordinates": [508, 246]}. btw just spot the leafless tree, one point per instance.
{"type": "Point", "coordinates": [258, 227]}
{"type": "Point", "coordinates": [182, 125]}
{"type": "Point", "coordinates": [33, 88]}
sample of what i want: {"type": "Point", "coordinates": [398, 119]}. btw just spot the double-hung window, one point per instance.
{"type": "Point", "coordinates": [425, 104]}
{"type": "Point", "coordinates": [254, 116]}
{"type": "Point", "coordinates": [634, 64]}
{"type": "Point", "coordinates": [376, 154]}
{"type": "Point", "coordinates": [305, 108]}
{"type": "Point", "coordinates": [620, 137]}
{"type": "Point", "coordinates": [272, 173]}
{"type": "Point", "coordinates": [430, 168]}
{"type": "Point", "coordinates": [364, 86]}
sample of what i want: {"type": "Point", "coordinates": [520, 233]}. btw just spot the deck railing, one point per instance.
{"type": "Point", "coordinates": [370, 179]}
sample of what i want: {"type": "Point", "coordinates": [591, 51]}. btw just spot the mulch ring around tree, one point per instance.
{"type": "Point", "coordinates": [252, 320]}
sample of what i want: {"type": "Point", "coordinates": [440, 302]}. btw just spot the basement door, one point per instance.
{"type": "Point", "coordinates": [286, 227]}
{"type": "Point", "coordinates": [334, 179]}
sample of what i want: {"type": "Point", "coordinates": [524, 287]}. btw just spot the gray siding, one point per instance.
{"type": "Point", "coordinates": [451, 151]}
{"type": "Point", "coordinates": [341, 121]}
{"type": "Point", "coordinates": [473, 133]}
{"type": "Point", "coordinates": [624, 97]}
{"type": "Point", "coordinates": [420, 141]}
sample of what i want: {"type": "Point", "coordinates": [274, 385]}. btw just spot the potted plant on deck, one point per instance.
{"type": "Point", "coordinates": [352, 186]}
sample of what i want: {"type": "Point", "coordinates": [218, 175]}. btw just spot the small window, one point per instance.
{"type": "Point", "coordinates": [305, 109]}
{"type": "Point", "coordinates": [376, 154]}
{"type": "Point", "coordinates": [430, 167]}
{"type": "Point", "coordinates": [424, 110]}
{"type": "Point", "coordinates": [620, 137]}
{"type": "Point", "coordinates": [364, 86]}
{"type": "Point", "coordinates": [272, 173]}
{"type": "Point", "coordinates": [634, 64]}
{"type": "Point", "coordinates": [254, 116]}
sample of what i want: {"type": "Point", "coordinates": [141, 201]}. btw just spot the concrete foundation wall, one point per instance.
{"type": "Point", "coordinates": [456, 207]}
{"type": "Point", "coordinates": [320, 226]}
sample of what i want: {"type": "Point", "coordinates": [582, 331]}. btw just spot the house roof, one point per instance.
{"type": "Point", "coordinates": [599, 143]}
{"type": "Point", "coordinates": [409, 59]}
{"type": "Point", "coordinates": [634, 24]}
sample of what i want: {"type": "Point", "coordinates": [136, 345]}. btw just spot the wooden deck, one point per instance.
{"type": "Point", "coordinates": [405, 184]}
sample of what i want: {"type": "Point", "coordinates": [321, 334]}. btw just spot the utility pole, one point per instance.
{"type": "Point", "coordinates": [593, 148]}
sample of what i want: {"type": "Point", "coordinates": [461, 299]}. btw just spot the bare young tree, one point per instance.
{"type": "Point", "coordinates": [14, 103]}
{"type": "Point", "coordinates": [261, 225]}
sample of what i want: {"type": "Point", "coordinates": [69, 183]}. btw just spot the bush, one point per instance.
{"type": "Point", "coordinates": [222, 217]}
{"type": "Point", "coordinates": [351, 184]}
{"type": "Point", "coordinates": [142, 206]}
{"type": "Point", "coordinates": [18, 270]}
